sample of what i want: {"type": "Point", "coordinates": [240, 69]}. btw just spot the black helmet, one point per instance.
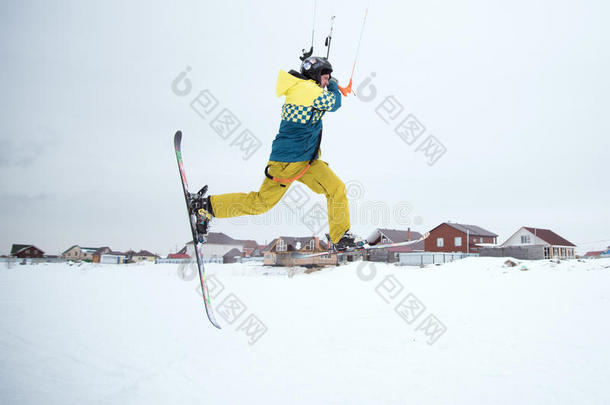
{"type": "Point", "coordinates": [314, 67]}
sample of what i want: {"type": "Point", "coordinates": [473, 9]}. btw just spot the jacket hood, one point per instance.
{"type": "Point", "coordinates": [286, 80]}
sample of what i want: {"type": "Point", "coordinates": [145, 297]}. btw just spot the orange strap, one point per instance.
{"type": "Point", "coordinates": [298, 176]}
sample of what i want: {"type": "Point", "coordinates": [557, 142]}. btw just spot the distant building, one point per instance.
{"type": "Point", "coordinates": [113, 258]}
{"type": "Point", "coordinates": [453, 237]}
{"type": "Point", "coordinates": [217, 245]}
{"type": "Point", "coordinates": [79, 253]}
{"type": "Point", "coordinates": [97, 256]}
{"type": "Point", "coordinates": [178, 256]}
{"type": "Point", "coordinates": [284, 251]}
{"type": "Point", "coordinates": [593, 254]}
{"type": "Point", "coordinates": [26, 251]}
{"type": "Point", "coordinates": [143, 256]}
{"type": "Point", "coordinates": [250, 248]}
{"type": "Point", "coordinates": [382, 236]}
{"type": "Point", "coordinates": [550, 244]}
{"type": "Point", "coordinates": [232, 256]}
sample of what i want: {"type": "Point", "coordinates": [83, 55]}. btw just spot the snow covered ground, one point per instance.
{"type": "Point", "coordinates": [468, 332]}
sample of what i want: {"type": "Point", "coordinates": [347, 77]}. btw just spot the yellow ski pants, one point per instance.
{"type": "Point", "coordinates": [319, 178]}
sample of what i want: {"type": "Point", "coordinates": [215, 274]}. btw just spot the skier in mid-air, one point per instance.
{"type": "Point", "coordinates": [295, 156]}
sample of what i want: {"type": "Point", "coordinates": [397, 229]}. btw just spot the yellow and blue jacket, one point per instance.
{"type": "Point", "coordinates": [302, 112]}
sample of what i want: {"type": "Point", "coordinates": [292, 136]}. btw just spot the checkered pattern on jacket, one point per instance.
{"type": "Point", "coordinates": [300, 114]}
{"type": "Point", "coordinates": [325, 101]}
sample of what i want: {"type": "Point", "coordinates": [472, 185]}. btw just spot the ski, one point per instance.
{"type": "Point", "coordinates": [364, 248]}
{"type": "Point", "coordinates": [198, 240]}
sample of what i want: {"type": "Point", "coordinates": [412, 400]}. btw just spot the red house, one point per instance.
{"type": "Point", "coordinates": [26, 251]}
{"type": "Point", "coordinates": [452, 237]}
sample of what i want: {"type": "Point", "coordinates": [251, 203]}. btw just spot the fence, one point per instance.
{"type": "Point", "coordinates": [529, 252]}
{"type": "Point", "coordinates": [13, 261]}
{"type": "Point", "coordinates": [423, 258]}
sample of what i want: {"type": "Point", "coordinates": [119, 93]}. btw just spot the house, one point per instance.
{"type": "Point", "coordinates": [454, 237]}
{"type": "Point", "coordinates": [217, 245]}
{"type": "Point", "coordinates": [232, 256]}
{"type": "Point", "coordinates": [143, 256]}
{"type": "Point", "coordinates": [593, 254]}
{"type": "Point", "coordinates": [26, 251]}
{"type": "Point", "coordinates": [99, 252]}
{"type": "Point", "coordinates": [548, 243]}
{"type": "Point", "coordinates": [79, 253]}
{"type": "Point", "coordinates": [113, 258]}
{"type": "Point", "coordinates": [129, 255]}
{"type": "Point", "coordinates": [382, 236]}
{"type": "Point", "coordinates": [177, 257]}
{"type": "Point", "coordinates": [250, 248]}
{"type": "Point", "coordinates": [181, 256]}
{"type": "Point", "coordinates": [282, 251]}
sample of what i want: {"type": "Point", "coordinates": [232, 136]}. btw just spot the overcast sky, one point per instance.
{"type": "Point", "coordinates": [517, 93]}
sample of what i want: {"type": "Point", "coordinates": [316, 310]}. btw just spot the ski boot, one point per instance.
{"type": "Point", "coordinates": [348, 242]}
{"type": "Point", "coordinates": [201, 209]}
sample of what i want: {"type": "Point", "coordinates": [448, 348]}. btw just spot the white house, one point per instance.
{"type": "Point", "coordinates": [554, 245]}
{"type": "Point", "coordinates": [112, 258]}
{"type": "Point", "coordinates": [217, 245]}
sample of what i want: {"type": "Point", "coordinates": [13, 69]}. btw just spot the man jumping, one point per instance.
{"type": "Point", "coordinates": [295, 155]}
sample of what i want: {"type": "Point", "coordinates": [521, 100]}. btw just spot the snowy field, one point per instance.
{"type": "Point", "coordinates": [469, 332]}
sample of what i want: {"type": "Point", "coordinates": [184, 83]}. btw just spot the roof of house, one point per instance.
{"type": "Point", "coordinates": [232, 253]}
{"type": "Point", "coordinates": [69, 249]}
{"type": "Point", "coordinates": [549, 237]}
{"type": "Point", "coordinates": [472, 230]}
{"type": "Point", "coordinates": [116, 253]}
{"type": "Point", "coordinates": [248, 243]}
{"type": "Point", "coordinates": [594, 253]}
{"type": "Point", "coordinates": [18, 248]}
{"type": "Point", "coordinates": [397, 235]}
{"type": "Point", "coordinates": [219, 238]}
{"type": "Point", "coordinates": [144, 253]}
{"type": "Point", "coordinates": [102, 250]}
{"type": "Point", "coordinates": [178, 256]}
{"type": "Point", "coordinates": [416, 247]}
